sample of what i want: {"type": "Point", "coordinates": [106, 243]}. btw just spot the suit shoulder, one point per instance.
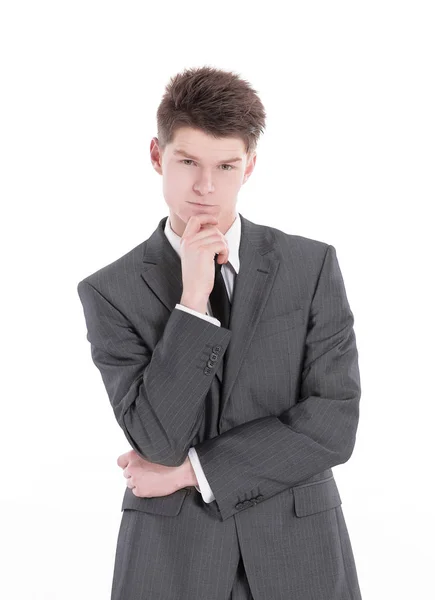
{"type": "Point", "coordinates": [299, 245]}
{"type": "Point", "coordinates": [118, 271]}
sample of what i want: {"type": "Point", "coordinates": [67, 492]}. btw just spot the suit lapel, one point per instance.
{"type": "Point", "coordinates": [253, 284]}
{"type": "Point", "coordinates": [258, 266]}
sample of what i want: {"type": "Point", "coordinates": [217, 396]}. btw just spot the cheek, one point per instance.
{"type": "Point", "coordinates": [229, 181]}
{"type": "Point", "coordinates": [235, 180]}
{"type": "Point", "coordinates": [176, 185]}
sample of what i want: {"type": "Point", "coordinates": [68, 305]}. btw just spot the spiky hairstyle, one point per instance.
{"type": "Point", "coordinates": [217, 102]}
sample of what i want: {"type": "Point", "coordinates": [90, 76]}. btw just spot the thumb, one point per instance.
{"type": "Point", "coordinates": [123, 460]}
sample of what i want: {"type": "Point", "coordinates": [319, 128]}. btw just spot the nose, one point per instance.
{"type": "Point", "coordinates": [204, 185]}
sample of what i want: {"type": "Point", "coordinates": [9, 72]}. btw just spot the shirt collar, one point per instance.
{"type": "Point", "coordinates": [232, 236]}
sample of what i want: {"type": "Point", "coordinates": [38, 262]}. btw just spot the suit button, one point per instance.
{"type": "Point", "coordinates": [210, 364]}
{"type": "Point", "coordinates": [260, 497]}
{"type": "Point", "coordinates": [217, 348]}
{"type": "Point", "coordinates": [213, 356]}
{"type": "Point", "coordinates": [207, 371]}
{"type": "Point", "coordinates": [239, 505]}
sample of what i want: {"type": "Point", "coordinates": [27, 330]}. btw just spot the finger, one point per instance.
{"type": "Point", "coordinates": [223, 249]}
{"type": "Point", "coordinates": [223, 255]}
{"type": "Point", "coordinates": [222, 258]}
{"type": "Point", "coordinates": [208, 231]}
{"type": "Point", "coordinates": [196, 221]}
{"type": "Point", "coordinates": [123, 460]}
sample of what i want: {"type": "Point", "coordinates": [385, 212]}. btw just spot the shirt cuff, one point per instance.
{"type": "Point", "coordinates": [205, 489]}
{"type": "Point", "coordinates": [208, 318]}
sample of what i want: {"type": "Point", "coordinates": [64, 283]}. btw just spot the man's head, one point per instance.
{"type": "Point", "coordinates": [206, 119]}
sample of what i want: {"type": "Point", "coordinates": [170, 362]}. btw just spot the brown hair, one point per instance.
{"type": "Point", "coordinates": [215, 101]}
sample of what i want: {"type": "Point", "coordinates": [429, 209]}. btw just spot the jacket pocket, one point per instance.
{"type": "Point", "coordinates": [160, 505]}
{"type": "Point", "coordinates": [315, 497]}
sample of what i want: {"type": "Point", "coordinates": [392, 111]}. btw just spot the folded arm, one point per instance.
{"type": "Point", "coordinates": [157, 395]}
{"type": "Point", "coordinates": [269, 454]}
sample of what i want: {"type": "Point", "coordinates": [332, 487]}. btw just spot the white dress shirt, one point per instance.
{"type": "Point", "coordinates": [229, 269]}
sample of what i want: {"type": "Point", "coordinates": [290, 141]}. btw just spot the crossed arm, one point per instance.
{"type": "Point", "coordinates": [158, 396]}
{"type": "Point", "coordinates": [147, 479]}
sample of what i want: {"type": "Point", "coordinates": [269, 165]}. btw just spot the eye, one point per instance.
{"type": "Point", "coordinates": [189, 160]}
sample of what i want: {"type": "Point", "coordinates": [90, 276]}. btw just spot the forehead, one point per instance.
{"type": "Point", "coordinates": [198, 143]}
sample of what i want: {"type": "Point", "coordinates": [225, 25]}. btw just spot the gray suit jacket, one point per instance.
{"type": "Point", "coordinates": [268, 429]}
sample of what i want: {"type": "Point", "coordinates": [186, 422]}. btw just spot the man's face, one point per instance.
{"type": "Point", "coordinates": [198, 168]}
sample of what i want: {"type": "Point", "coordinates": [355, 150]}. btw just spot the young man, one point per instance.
{"type": "Point", "coordinates": [228, 354]}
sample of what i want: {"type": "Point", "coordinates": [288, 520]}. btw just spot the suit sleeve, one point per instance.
{"type": "Point", "coordinates": [204, 490]}
{"type": "Point", "coordinates": [157, 394]}
{"type": "Point", "coordinates": [208, 318]}
{"type": "Point", "coordinates": [265, 456]}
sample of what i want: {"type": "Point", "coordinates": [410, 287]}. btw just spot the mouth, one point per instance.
{"type": "Point", "coordinates": [199, 204]}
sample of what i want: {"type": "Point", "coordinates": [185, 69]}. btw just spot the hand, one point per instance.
{"type": "Point", "coordinates": [200, 242]}
{"type": "Point", "coordinates": [147, 479]}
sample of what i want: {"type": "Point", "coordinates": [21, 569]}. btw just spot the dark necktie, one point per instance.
{"type": "Point", "coordinates": [219, 301]}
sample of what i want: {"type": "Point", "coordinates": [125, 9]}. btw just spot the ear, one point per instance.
{"type": "Point", "coordinates": [156, 155]}
{"type": "Point", "coordinates": [250, 167]}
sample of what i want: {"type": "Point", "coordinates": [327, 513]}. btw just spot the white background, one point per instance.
{"type": "Point", "coordinates": [348, 158]}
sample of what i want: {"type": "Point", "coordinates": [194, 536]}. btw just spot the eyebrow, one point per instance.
{"type": "Point", "coordinates": [183, 153]}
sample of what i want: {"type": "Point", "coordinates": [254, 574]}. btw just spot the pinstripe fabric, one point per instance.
{"type": "Point", "coordinates": [228, 270]}
{"type": "Point", "coordinates": [267, 431]}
